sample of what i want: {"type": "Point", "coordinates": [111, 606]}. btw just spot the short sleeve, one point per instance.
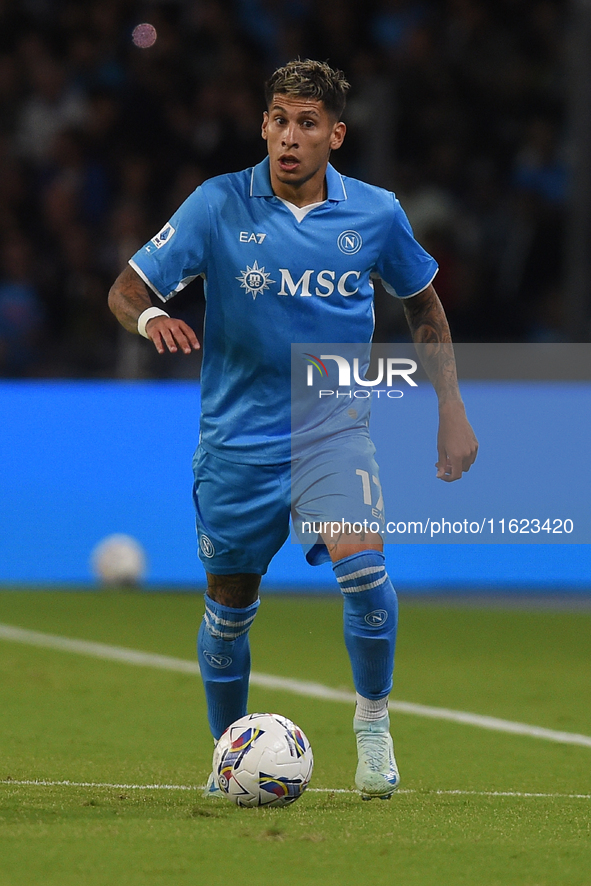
{"type": "Point", "coordinates": [178, 253]}
{"type": "Point", "coordinates": [403, 265]}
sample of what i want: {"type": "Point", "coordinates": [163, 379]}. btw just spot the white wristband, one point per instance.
{"type": "Point", "coordinates": [147, 315]}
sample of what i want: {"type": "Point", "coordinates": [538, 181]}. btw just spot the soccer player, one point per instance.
{"type": "Point", "coordinates": [287, 250]}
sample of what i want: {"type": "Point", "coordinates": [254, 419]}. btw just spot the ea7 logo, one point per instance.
{"type": "Point", "coordinates": [247, 237]}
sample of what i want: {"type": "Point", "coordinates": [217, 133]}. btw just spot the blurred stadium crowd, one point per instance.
{"type": "Point", "coordinates": [456, 105]}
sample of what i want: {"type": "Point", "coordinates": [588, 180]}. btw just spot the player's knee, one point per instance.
{"type": "Point", "coordinates": [234, 591]}
{"type": "Point", "coordinates": [352, 544]}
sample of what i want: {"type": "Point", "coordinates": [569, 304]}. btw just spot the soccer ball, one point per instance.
{"type": "Point", "coordinates": [119, 560]}
{"type": "Point", "coordinates": [263, 760]}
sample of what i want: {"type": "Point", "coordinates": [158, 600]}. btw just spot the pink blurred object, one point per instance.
{"type": "Point", "coordinates": [144, 35]}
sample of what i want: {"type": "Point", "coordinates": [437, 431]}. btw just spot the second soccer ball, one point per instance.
{"type": "Point", "coordinates": [119, 560]}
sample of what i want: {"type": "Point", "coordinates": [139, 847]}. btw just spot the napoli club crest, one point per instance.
{"type": "Point", "coordinates": [206, 545]}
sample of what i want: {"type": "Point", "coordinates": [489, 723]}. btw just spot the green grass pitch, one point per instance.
{"type": "Point", "coordinates": [69, 717]}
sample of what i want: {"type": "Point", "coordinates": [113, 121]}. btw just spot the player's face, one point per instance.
{"type": "Point", "coordinates": [300, 134]}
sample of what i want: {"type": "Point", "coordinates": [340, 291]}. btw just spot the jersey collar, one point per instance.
{"type": "Point", "coordinates": [260, 182]}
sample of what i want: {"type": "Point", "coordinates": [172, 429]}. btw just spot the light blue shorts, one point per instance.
{"type": "Point", "coordinates": [243, 510]}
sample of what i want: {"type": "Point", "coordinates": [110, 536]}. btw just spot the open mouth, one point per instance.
{"type": "Point", "coordinates": [288, 163]}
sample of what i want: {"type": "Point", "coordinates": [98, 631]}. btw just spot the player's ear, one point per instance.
{"type": "Point", "coordinates": [338, 135]}
{"type": "Point", "coordinates": [265, 124]}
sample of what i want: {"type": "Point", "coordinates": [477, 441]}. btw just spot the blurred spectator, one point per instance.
{"type": "Point", "coordinates": [53, 105]}
{"type": "Point", "coordinates": [532, 260]}
{"type": "Point", "coordinates": [539, 168]}
{"type": "Point", "coordinates": [10, 93]}
{"type": "Point", "coordinates": [21, 312]}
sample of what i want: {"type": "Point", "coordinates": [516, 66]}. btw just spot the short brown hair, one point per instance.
{"type": "Point", "coordinates": [310, 79]}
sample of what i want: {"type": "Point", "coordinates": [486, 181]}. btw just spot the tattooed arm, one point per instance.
{"type": "Point", "coordinates": [128, 298]}
{"type": "Point", "coordinates": [457, 446]}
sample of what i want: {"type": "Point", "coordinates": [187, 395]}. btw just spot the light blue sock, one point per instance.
{"type": "Point", "coordinates": [370, 615]}
{"type": "Point", "coordinates": [224, 658]}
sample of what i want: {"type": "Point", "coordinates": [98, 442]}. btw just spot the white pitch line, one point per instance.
{"type": "Point", "coordinates": [306, 688]}
{"type": "Point", "coordinates": [190, 787]}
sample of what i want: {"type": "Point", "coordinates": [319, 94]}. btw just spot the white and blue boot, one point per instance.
{"type": "Point", "coordinates": [377, 772]}
{"type": "Point", "coordinates": [211, 789]}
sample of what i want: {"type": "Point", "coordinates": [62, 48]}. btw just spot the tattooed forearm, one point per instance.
{"type": "Point", "coordinates": [426, 318]}
{"type": "Point", "coordinates": [430, 333]}
{"type": "Point", "coordinates": [128, 297]}
{"type": "Point", "coordinates": [236, 591]}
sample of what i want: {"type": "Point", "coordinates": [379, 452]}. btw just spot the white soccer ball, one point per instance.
{"type": "Point", "coordinates": [263, 760]}
{"type": "Point", "coordinates": [119, 560]}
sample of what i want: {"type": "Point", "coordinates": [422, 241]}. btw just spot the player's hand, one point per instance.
{"type": "Point", "coordinates": [168, 333]}
{"type": "Point", "coordinates": [457, 445]}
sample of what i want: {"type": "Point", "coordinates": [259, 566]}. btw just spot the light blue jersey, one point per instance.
{"type": "Point", "coordinates": [271, 281]}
